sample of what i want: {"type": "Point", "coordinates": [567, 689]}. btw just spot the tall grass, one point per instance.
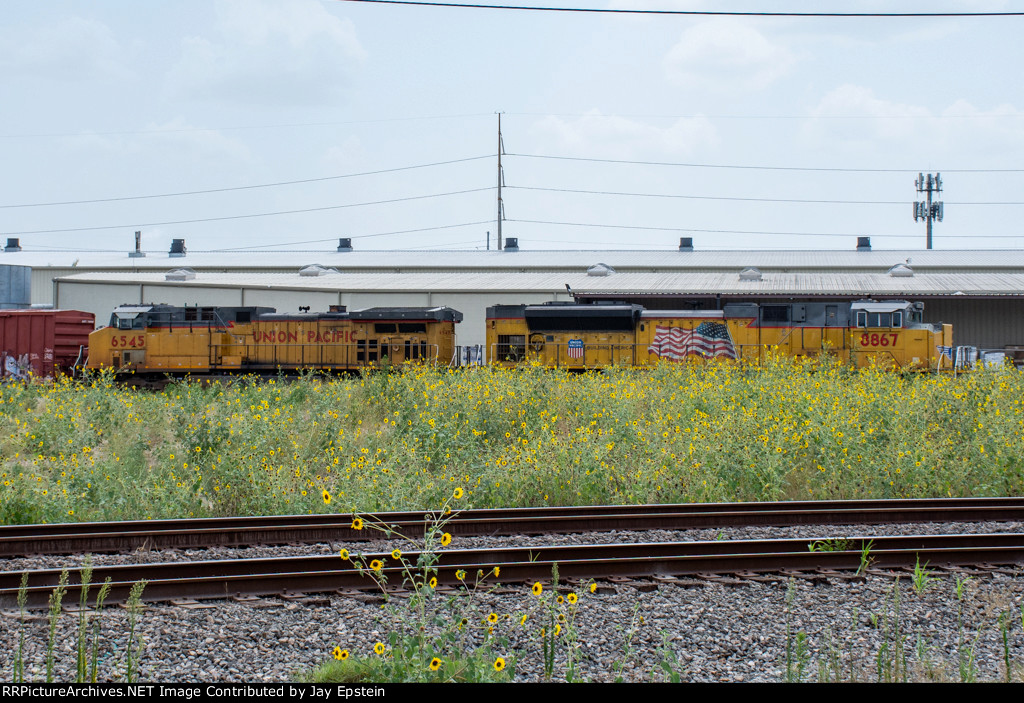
{"type": "Point", "coordinates": [531, 436]}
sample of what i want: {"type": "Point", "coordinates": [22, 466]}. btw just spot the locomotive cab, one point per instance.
{"type": "Point", "coordinates": [892, 333]}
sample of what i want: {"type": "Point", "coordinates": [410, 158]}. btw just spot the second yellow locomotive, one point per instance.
{"type": "Point", "coordinates": [573, 336]}
{"type": "Point", "coordinates": [166, 339]}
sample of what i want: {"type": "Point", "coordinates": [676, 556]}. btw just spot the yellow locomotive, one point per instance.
{"type": "Point", "coordinates": [574, 336]}
{"type": "Point", "coordinates": [166, 339]}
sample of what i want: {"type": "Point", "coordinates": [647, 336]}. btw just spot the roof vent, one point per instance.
{"type": "Point", "coordinates": [686, 244]}
{"type": "Point", "coordinates": [901, 271]}
{"type": "Point", "coordinates": [316, 270]}
{"type": "Point", "coordinates": [177, 248]}
{"type": "Point", "coordinates": [138, 247]}
{"type": "Point", "coordinates": [750, 273]}
{"type": "Point", "coordinates": [182, 274]}
{"type": "Point", "coordinates": [600, 270]}
{"type": "Point", "coordinates": [12, 245]}
{"type": "Point", "coordinates": [344, 244]}
{"type": "Point", "coordinates": [863, 243]}
{"type": "Point", "coordinates": [511, 244]}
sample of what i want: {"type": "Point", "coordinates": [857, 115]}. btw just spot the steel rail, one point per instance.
{"type": "Point", "coordinates": [73, 538]}
{"type": "Point", "coordinates": [311, 574]}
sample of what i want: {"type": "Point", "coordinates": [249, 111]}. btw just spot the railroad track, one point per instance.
{"type": "Point", "coordinates": [77, 538]}
{"type": "Point", "coordinates": [518, 565]}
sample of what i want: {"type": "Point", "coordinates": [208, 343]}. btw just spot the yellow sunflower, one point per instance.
{"type": "Point", "coordinates": [458, 493]}
{"type": "Point", "coordinates": [376, 565]}
{"type": "Point", "coordinates": [499, 664]}
{"type": "Point", "coordinates": [446, 539]}
{"type": "Point", "coordinates": [538, 589]}
{"type": "Point", "coordinates": [357, 523]}
{"type": "Point", "coordinates": [435, 664]}
{"type": "Point", "coordinates": [379, 648]}
{"type": "Point", "coordinates": [396, 555]}
{"type": "Point", "coordinates": [327, 497]}
{"type": "Point", "coordinates": [344, 554]}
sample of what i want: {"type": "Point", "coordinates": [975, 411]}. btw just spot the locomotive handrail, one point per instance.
{"type": "Point", "coordinates": [250, 354]}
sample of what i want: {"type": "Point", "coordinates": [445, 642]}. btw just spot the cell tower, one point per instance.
{"type": "Point", "coordinates": [927, 210]}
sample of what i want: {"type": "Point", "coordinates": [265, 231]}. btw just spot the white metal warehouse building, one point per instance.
{"type": "Point", "coordinates": [980, 292]}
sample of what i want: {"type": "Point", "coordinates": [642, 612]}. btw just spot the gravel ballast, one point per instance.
{"type": "Point", "coordinates": [727, 630]}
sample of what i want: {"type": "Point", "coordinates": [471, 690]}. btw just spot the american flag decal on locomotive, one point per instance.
{"type": "Point", "coordinates": [709, 339]}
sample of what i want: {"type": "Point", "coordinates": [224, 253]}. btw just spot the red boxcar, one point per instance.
{"type": "Point", "coordinates": [43, 342]}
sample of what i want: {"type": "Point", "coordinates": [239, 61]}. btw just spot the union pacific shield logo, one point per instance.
{"type": "Point", "coordinates": [575, 348]}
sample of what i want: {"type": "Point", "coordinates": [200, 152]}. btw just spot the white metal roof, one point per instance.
{"type": "Point", "coordinates": [667, 283]}
{"type": "Point", "coordinates": [525, 260]}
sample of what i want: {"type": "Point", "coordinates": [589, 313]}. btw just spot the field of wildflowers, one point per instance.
{"type": "Point", "coordinates": [92, 450]}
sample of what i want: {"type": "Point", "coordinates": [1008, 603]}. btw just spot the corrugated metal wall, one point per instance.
{"type": "Point", "coordinates": [990, 324]}
{"type": "Point", "coordinates": [15, 286]}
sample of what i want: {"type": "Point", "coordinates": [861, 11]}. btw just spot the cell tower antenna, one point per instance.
{"type": "Point", "coordinates": [927, 210]}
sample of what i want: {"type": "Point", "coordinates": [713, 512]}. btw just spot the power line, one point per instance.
{"type": "Point", "coordinates": [247, 216]}
{"type": "Point", "coordinates": [760, 168]}
{"type": "Point", "coordinates": [742, 199]}
{"type": "Point", "coordinates": [353, 236]}
{"type": "Point", "coordinates": [591, 115]}
{"type": "Point", "coordinates": [741, 231]}
{"type": "Point", "coordinates": [713, 197]}
{"type": "Point", "coordinates": [250, 187]}
{"type": "Point", "coordinates": [178, 130]}
{"type": "Point", "coordinates": [685, 13]}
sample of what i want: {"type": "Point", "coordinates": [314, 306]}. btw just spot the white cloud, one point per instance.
{"type": "Point", "coordinates": [291, 52]}
{"type": "Point", "coordinates": [854, 117]}
{"type": "Point", "coordinates": [875, 118]}
{"type": "Point", "coordinates": [620, 137]}
{"type": "Point", "coordinates": [726, 55]}
{"type": "Point", "coordinates": [69, 49]}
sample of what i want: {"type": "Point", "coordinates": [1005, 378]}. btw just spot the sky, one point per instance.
{"type": "Point", "coordinates": [288, 124]}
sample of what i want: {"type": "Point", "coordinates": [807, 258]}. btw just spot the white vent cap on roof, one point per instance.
{"type": "Point", "coordinates": [600, 270]}
{"type": "Point", "coordinates": [316, 270]}
{"type": "Point", "coordinates": [182, 274]}
{"type": "Point", "coordinates": [901, 271]}
{"type": "Point", "coordinates": [750, 273]}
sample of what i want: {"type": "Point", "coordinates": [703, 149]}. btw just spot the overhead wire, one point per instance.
{"type": "Point", "coordinates": [710, 197]}
{"type": "Point", "coordinates": [351, 236]}
{"type": "Point", "coordinates": [684, 13]}
{"type": "Point", "coordinates": [177, 130]}
{"type": "Point", "coordinates": [738, 231]}
{"type": "Point", "coordinates": [253, 215]}
{"type": "Point", "coordinates": [251, 187]}
{"type": "Point", "coordinates": [747, 167]}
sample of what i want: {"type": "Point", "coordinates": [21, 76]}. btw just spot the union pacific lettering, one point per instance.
{"type": "Point", "coordinates": [309, 337]}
